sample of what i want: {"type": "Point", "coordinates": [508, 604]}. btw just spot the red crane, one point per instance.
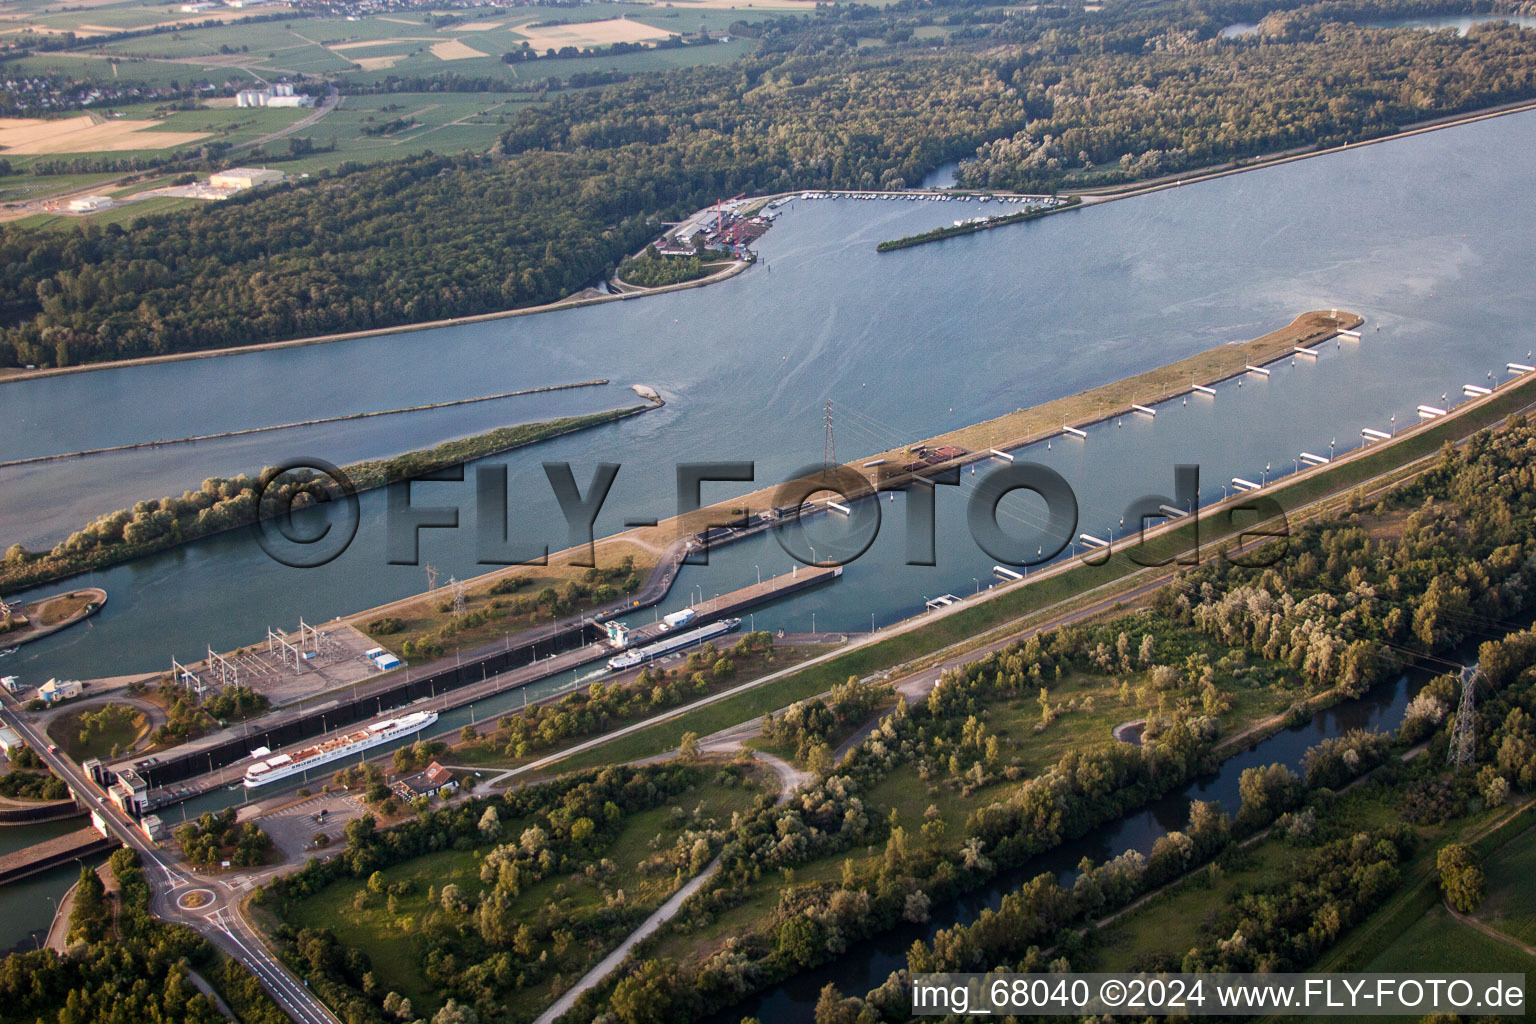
{"type": "Point", "coordinates": [718, 203]}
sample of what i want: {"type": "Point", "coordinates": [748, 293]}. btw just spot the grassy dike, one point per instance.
{"type": "Point", "coordinates": [30, 570]}
{"type": "Point", "coordinates": [1017, 606]}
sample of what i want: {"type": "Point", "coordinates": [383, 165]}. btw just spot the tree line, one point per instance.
{"type": "Point", "coordinates": [573, 186]}
{"type": "Point", "coordinates": [1349, 607]}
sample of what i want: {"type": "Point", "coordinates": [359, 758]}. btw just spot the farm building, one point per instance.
{"type": "Point", "coordinates": [279, 95]}
{"type": "Point", "coordinates": [238, 178]}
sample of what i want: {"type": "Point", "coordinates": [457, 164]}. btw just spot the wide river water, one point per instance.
{"type": "Point", "coordinates": [1428, 237]}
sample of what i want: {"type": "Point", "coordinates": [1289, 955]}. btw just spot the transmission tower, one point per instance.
{"type": "Point", "coordinates": [458, 596]}
{"type": "Point", "coordinates": [829, 450]}
{"type": "Point", "coordinates": [1464, 733]}
{"type": "Point", "coordinates": [431, 571]}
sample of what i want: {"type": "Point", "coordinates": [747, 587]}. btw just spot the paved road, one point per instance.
{"type": "Point", "coordinates": [330, 103]}
{"type": "Point", "coordinates": [219, 919]}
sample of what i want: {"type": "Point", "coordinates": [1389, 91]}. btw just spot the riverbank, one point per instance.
{"type": "Point", "coordinates": [240, 509]}
{"type": "Point", "coordinates": [1094, 196]}
{"type": "Point", "coordinates": [51, 614]}
{"type": "Point", "coordinates": [588, 297]}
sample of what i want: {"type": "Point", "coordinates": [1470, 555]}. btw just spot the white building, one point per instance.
{"type": "Point", "coordinates": [280, 95]}
{"type": "Point", "coordinates": [9, 741]}
{"type": "Point", "coordinates": [198, 8]}
{"type": "Point", "coordinates": [55, 690]}
{"type": "Point", "coordinates": [238, 178]}
{"type": "Point", "coordinates": [130, 792]}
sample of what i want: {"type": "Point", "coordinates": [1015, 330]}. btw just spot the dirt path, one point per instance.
{"type": "Point", "coordinates": [1489, 930]}
{"type": "Point", "coordinates": [791, 778]}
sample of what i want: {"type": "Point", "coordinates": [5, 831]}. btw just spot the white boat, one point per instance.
{"type": "Point", "coordinates": [285, 766]}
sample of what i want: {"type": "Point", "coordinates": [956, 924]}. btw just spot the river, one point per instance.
{"type": "Point", "coordinates": [1427, 237]}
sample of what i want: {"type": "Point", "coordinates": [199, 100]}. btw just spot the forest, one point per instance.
{"type": "Point", "coordinates": [125, 967]}
{"type": "Point", "coordinates": [1441, 562]}
{"type": "Point", "coordinates": [1041, 99]}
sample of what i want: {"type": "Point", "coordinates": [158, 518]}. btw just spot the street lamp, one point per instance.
{"type": "Point", "coordinates": [759, 574]}
{"type": "Point", "coordinates": [978, 585]}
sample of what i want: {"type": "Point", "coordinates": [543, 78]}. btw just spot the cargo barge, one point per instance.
{"type": "Point", "coordinates": [671, 644]}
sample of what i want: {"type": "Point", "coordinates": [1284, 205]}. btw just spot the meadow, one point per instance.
{"type": "Point", "coordinates": [387, 931]}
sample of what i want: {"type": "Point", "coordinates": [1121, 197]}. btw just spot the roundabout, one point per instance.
{"type": "Point", "coordinates": [195, 899]}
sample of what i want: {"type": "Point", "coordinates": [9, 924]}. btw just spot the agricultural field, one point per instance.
{"type": "Point", "coordinates": [1510, 905]}
{"type": "Point", "coordinates": [221, 58]}
{"type": "Point", "coordinates": [335, 46]}
{"type": "Point", "coordinates": [30, 136]}
{"type": "Point", "coordinates": [1438, 939]}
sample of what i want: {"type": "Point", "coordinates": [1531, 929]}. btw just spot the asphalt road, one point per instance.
{"type": "Point", "coordinates": [218, 918]}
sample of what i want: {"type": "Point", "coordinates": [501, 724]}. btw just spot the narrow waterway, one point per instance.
{"type": "Point", "coordinates": [868, 964]}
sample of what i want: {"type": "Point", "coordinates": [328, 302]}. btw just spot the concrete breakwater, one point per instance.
{"type": "Point", "coordinates": [160, 443]}
{"type": "Point", "coordinates": [54, 852]}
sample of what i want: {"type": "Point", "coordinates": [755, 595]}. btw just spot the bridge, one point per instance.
{"type": "Point", "coordinates": [219, 921]}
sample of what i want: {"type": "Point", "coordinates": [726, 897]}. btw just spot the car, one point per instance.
{"type": "Point", "coordinates": [53, 748]}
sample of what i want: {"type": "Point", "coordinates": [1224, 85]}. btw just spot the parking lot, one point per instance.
{"type": "Point", "coordinates": [294, 827]}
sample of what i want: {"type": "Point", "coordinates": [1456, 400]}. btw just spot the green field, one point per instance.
{"type": "Point", "coordinates": [1438, 942]}
{"type": "Point", "coordinates": [334, 46]}
{"type": "Point", "coordinates": [116, 728]}
{"type": "Point", "coordinates": [1511, 902]}
{"type": "Point", "coordinates": [1087, 707]}
{"type": "Point", "coordinates": [391, 940]}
